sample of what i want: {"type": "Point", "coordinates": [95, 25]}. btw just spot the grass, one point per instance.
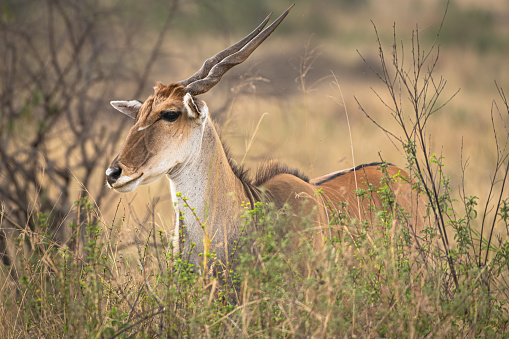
{"type": "Point", "coordinates": [121, 278]}
{"type": "Point", "coordinates": [368, 280]}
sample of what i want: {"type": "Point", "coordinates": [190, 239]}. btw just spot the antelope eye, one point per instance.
{"type": "Point", "coordinates": [170, 116]}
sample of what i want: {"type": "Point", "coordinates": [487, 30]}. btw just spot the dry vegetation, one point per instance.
{"type": "Point", "coordinates": [103, 266]}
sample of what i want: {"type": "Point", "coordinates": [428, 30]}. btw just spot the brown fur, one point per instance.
{"type": "Point", "coordinates": [173, 91]}
{"type": "Point", "coordinates": [239, 170]}
{"type": "Point", "coordinates": [272, 168]}
{"type": "Point", "coordinates": [323, 179]}
{"type": "Point", "coordinates": [331, 194]}
{"type": "Point", "coordinates": [219, 188]}
{"type": "Point", "coordinates": [266, 170]}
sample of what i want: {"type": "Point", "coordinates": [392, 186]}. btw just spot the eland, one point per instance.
{"type": "Point", "coordinates": [174, 135]}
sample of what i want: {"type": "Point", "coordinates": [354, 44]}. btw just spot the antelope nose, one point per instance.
{"type": "Point", "coordinates": [112, 175]}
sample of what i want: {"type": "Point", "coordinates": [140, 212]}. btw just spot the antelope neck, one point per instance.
{"type": "Point", "coordinates": [214, 192]}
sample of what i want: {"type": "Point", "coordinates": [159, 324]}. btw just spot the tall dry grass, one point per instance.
{"type": "Point", "coordinates": [124, 280]}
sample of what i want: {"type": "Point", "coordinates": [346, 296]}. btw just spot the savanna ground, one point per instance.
{"type": "Point", "coordinates": [295, 99]}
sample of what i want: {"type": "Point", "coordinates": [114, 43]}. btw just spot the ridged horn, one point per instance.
{"type": "Point", "coordinates": [212, 61]}
{"type": "Point", "coordinates": [215, 67]}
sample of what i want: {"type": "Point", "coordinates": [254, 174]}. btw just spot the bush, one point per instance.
{"type": "Point", "coordinates": [367, 280]}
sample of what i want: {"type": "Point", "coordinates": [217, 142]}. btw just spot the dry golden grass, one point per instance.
{"type": "Point", "coordinates": [265, 113]}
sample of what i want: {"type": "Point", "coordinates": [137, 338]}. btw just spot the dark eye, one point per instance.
{"type": "Point", "coordinates": [170, 116]}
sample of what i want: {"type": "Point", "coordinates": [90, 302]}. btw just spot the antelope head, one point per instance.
{"type": "Point", "coordinates": [169, 125]}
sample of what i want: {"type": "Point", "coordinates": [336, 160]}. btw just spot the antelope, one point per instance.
{"type": "Point", "coordinates": [174, 135]}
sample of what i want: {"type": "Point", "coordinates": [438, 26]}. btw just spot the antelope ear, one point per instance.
{"type": "Point", "coordinates": [129, 108]}
{"type": "Point", "coordinates": [196, 109]}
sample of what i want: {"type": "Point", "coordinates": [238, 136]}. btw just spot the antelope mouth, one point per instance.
{"type": "Point", "coordinates": [126, 184]}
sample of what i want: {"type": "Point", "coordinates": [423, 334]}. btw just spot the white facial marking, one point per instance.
{"type": "Point", "coordinates": [142, 128]}
{"type": "Point", "coordinates": [122, 180]}
{"type": "Point", "coordinates": [126, 183]}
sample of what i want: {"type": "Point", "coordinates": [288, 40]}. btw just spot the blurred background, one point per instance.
{"type": "Point", "coordinates": [63, 61]}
